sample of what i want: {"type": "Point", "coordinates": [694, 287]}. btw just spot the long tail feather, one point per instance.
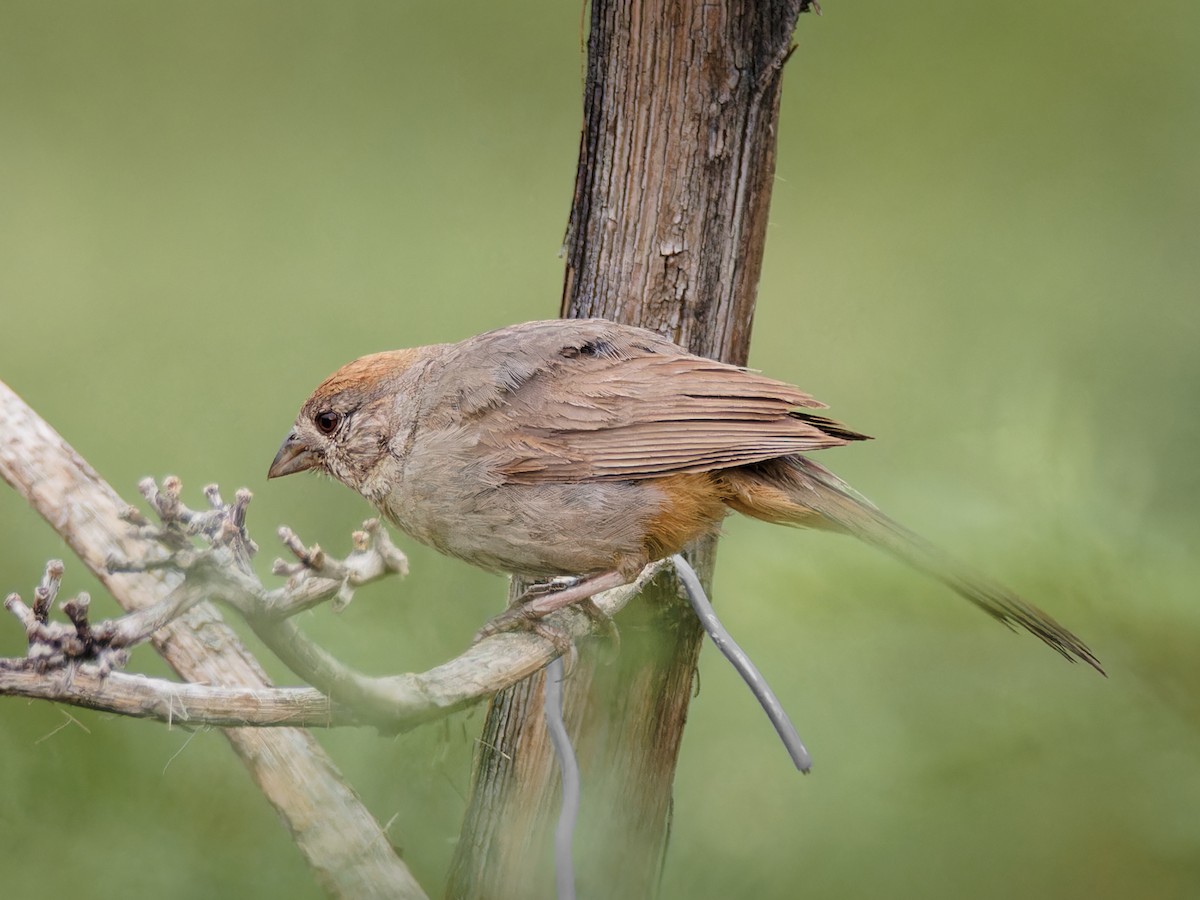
{"type": "Point", "coordinates": [812, 488]}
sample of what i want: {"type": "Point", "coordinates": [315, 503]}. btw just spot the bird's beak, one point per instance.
{"type": "Point", "coordinates": [292, 457]}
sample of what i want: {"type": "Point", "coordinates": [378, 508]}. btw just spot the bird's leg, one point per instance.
{"type": "Point", "coordinates": [573, 590]}
{"type": "Point", "coordinates": [549, 586]}
{"type": "Point", "coordinates": [533, 605]}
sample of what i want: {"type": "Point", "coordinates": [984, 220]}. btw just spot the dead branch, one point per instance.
{"type": "Point", "coordinates": [343, 844]}
{"type": "Point", "coordinates": [189, 705]}
{"type": "Point", "coordinates": [73, 662]}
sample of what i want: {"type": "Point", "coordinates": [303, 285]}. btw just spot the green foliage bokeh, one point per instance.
{"type": "Point", "coordinates": [982, 250]}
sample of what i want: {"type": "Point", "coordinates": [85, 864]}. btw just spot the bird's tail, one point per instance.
{"type": "Point", "coordinates": [797, 491]}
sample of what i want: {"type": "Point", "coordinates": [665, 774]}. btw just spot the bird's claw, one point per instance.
{"type": "Point", "coordinates": [521, 618]}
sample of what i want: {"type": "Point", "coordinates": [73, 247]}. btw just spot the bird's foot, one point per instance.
{"type": "Point", "coordinates": [542, 599]}
{"type": "Point", "coordinates": [605, 625]}
{"type": "Point", "coordinates": [521, 618]}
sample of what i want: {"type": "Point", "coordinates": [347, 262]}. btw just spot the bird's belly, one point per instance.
{"type": "Point", "coordinates": [536, 530]}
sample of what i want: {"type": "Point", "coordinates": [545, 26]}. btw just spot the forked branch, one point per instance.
{"type": "Point", "coordinates": [212, 549]}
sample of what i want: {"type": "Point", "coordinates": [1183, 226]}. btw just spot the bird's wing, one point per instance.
{"type": "Point", "coordinates": [590, 400]}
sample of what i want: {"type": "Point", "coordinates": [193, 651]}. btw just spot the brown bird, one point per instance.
{"type": "Point", "coordinates": [588, 449]}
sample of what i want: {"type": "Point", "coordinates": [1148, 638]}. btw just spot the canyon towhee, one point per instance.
{"type": "Point", "coordinates": [585, 448]}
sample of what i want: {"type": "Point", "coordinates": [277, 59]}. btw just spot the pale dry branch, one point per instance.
{"type": "Point", "coordinates": [342, 843]}
{"type": "Point", "coordinates": [189, 705]}
{"type": "Point", "coordinates": [68, 667]}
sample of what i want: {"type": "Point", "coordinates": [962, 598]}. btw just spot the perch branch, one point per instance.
{"type": "Point", "coordinates": [394, 703]}
{"type": "Point", "coordinates": [399, 702]}
{"type": "Point", "coordinates": [221, 570]}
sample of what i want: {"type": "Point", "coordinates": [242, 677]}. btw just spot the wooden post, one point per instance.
{"type": "Point", "coordinates": [666, 231]}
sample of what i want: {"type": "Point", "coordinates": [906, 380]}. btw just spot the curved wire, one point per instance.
{"type": "Point", "coordinates": [564, 831]}
{"type": "Point", "coordinates": [740, 661]}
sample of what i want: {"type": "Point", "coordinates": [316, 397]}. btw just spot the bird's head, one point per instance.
{"type": "Point", "coordinates": [346, 427]}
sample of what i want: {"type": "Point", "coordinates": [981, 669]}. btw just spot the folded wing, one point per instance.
{"type": "Point", "coordinates": [607, 401]}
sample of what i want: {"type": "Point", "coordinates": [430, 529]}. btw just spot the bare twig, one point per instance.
{"type": "Point", "coordinates": [54, 645]}
{"type": "Point", "coordinates": [316, 574]}
{"type": "Point", "coordinates": [219, 566]}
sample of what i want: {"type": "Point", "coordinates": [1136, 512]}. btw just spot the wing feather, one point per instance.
{"type": "Point", "coordinates": [589, 400]}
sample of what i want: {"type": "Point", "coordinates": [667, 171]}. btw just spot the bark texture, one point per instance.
{"type": "Point", "coordinates": [666, 231]}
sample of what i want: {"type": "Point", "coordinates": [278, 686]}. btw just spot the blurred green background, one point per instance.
{"type": "Point", "coordinates": [983, 250]}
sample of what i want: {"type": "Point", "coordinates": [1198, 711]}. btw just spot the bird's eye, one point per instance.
{"type": "Point", "coordinates": [327, 421]}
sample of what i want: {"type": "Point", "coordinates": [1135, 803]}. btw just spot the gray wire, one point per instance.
{"type": "Point", "coordinates": [740, 661]}
{"type": "Point", "coordinates": [564, 832]}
